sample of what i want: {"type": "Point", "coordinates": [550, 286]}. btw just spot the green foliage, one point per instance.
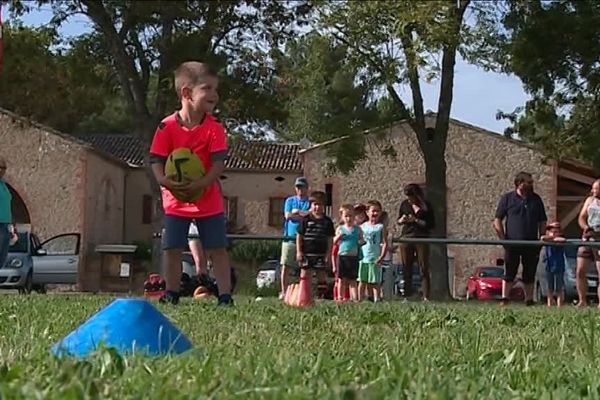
{"type": "Point", "coordinates": [255, 251]}
{"type": "Point", "coordinates": [55, 86]}
{"type": "Point", "coordinates": [555, 49]}
{"type": "Point", "coordinates": [366, 351]}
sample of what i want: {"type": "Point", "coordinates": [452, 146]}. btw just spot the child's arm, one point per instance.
{"type": "Point", "coordinates": [384, 238]}
{"type": "Point", "coordinates": [361, 237]}
{"type": "Point", "coordinates": [300, 242]}
{"type": "Point", "coordinates": [338, 235]}
{"type": "Point", "coordinates": [329, 247]}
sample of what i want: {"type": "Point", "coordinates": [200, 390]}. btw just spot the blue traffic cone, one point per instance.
{"type": "Point", "coordinates": [129, 326]}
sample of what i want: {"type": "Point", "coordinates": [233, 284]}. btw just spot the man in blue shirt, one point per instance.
{"type": "Point", "coordinates": [5, 214]}
{"type": "Point", "coordinates": [295, 208]}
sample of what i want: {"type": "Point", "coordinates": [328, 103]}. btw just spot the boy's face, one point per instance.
{"type": "Point", "coordinates": [202, 98]}
{"type": "Point", "coordinates": [317, 208]}
{"type": "Point", "coordinates": [347, 217]}
{"type": "Point", "coordinates": [373, 213]}
{"type": "Point", "coordinates": [554, 232]}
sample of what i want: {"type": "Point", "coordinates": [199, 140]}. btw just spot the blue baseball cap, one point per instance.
{"type": "Point", "coordinates": [301, 182]}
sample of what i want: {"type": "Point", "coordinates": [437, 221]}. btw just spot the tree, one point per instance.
{"type": "Point", "coordinates": [56, 87]}
{"type": "Point", "coordinates": [398, 43]}
{"type": "Point", "coordinates": [317, 83]}
{"type": "Point", "coordinates": [554, 47]}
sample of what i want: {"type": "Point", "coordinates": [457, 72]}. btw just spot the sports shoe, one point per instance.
{"type": "Point", "coordinates": [504, 302]}
{"type": "Point", "coordinates": [225, 300]}
{"type": "Point", "coordinates": [169, 298]}
{"type": "Point", "coordinates": [281, 296]}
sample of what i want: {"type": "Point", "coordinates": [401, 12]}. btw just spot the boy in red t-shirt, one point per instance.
{"type": "Point", "coordinates": [195, 128]}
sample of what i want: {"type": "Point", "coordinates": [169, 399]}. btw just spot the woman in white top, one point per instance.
{"type": "Point", "coordinates": [589, 222]}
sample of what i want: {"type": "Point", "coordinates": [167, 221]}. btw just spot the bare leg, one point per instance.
{"type": "Point", "coordinates": [198, 255]}
{"type": "Point", "coordinates": [353, 290]}
{"type": "Point", "coordinates": [560, 298]}
{"type": "Point", "coordinates": [361, 291]}
{"type": "Point", "coordinates": [344, 285]}
{"type": "Point", "coordinates": [172, 259]}
{"type": "Point", "coordinates": [284, 278]}
{"type": "Point", "coordinates": [549, 297]}
{"type": "Point", "coordinates": [581, 281]}
{"type": "Point", "coordinates": [507, 287]}
{"type": "Point", "coordinates": [222, 269]}
{"type": "Point", "coordinates": [376, 293]}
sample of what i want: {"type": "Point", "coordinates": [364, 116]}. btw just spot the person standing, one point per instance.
{"type": "Point", "coordinates": [520, 215]}
{"type": "Point", "coordinates": [5, 214]}
{"type": "Point", "coordinates": [295, 208]}
{"type": "Point", "coordinates": [417, 220]}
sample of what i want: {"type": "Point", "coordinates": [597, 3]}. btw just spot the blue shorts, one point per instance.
{"type": "Point", "coordinates": [555, 280]}
{"type": "Point", "coordinates": [212, 231]}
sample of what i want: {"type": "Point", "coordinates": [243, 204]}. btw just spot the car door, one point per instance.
{"type": "Point", "coordinates": [57, 260]}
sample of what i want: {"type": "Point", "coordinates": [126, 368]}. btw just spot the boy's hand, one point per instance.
{"type": "Point", "coordinates": [560, 239]}
{"type": "Point", "coordinates": [192, 187]}
{"type": "Point", "coordinates": [170, 183]}
{"type": "Point", "coordinates": [299, 257]}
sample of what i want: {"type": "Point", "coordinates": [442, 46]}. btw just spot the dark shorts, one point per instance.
{"type": "Point", "coordinates": [555, 280]}
{"type": "Point", "coordinates": [212, 232]}
{"type": "Point", "coordinates": [588, 253]}
{"type": "Point", "coordinates": [316, 262]}
{"type": "Point", "coordinates": [527, 256]}
{"type": "Point", "coordinates": [348, 267]}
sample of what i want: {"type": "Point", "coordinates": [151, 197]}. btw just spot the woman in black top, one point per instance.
{"type": "Point", "coordinates": [417, 220]}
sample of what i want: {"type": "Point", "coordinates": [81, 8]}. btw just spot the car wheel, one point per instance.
{"type": "Point", "coordinates": [41, 289]}
{"type": "Point", "coordinates": [26, 288]}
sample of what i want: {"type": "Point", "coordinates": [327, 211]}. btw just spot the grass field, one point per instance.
{"type": "Point", "coordinates": [265, 350]}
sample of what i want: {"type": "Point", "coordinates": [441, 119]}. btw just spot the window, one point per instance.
{"type": "Point", "coordinates": [276, 211]}
{"type": "Point", "coordinates": [231, 211]}
{"type": "Point", "coordinates": [147, 205]}
{"type": "Point", "coordinates": [328, 198]}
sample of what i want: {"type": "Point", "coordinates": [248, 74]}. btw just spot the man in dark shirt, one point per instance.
{"type": "Point", "coordinates": [314, 241]}
{"type": "Point", "coordinates": [520, 216]}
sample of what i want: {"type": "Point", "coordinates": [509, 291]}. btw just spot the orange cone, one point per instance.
{"type": "Point", "coordinates": [304, 293]}
{"type": "Point", "coordinates": [294, 295]}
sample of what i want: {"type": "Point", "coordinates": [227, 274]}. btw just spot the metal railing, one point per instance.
{"type": "Point", "coordinates": [429, 240]}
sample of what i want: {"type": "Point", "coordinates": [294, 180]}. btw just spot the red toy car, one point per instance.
{"type": "Point", "coordinates": [486, 284]}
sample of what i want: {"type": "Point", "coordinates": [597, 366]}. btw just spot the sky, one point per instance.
{"type": "Point", "coordinates": [478, 94]}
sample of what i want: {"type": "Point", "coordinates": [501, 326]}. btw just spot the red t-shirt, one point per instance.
{"type": "Point", "coordinates": [204, 139]}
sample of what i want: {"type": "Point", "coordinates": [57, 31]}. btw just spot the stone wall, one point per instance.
{"type": "Point", "coordinates": [46, 170]}
{"type": "Point", "coordinates": [253, 191]}
{"type": "Point", "coordinates": [480, 167]}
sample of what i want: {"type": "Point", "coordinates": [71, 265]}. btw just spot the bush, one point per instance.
{"type": "Point", "coordinates": [255, 252]}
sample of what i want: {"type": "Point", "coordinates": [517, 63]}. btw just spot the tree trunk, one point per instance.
{"type": "Point", "coordinates": [435, 173]}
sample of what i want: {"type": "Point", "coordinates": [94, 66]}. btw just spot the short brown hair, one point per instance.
{"type": "Point", "coordinates": [191, 73]}
{"type": "Point", "coordinates": [346, 207]}
{"type": "Point", "coordinates": [522, 177]}
{"type": "Point", "coordinates": [374, 203]}
{"type": "Point", "coordinates": [317, 197]}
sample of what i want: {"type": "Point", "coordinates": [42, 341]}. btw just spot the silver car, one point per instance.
{"type": "Point", "coordinates": [34, 264]}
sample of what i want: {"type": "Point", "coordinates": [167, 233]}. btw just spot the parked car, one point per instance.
{"type": "Point", "coordinates": [269, 274]}
{"type": "Point", "coordinates": [541, 286]}
{"type": "Point", "coordinates": [32, 264]}
{"type": "Point", "coordinates": [486, 284]}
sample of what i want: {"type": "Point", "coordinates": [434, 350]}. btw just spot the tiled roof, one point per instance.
{"type": "Point", "coordinates": [128, 148]}
{"type": "Point", "coordinates": [264, 156]}
{"type": "Point", "coordinates": [247, 155]}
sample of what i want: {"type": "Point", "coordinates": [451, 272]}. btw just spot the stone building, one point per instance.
{"type": "Point", "coordinates": [95, 186]}
{"type": "Point", "coordinates": [481, 166]}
